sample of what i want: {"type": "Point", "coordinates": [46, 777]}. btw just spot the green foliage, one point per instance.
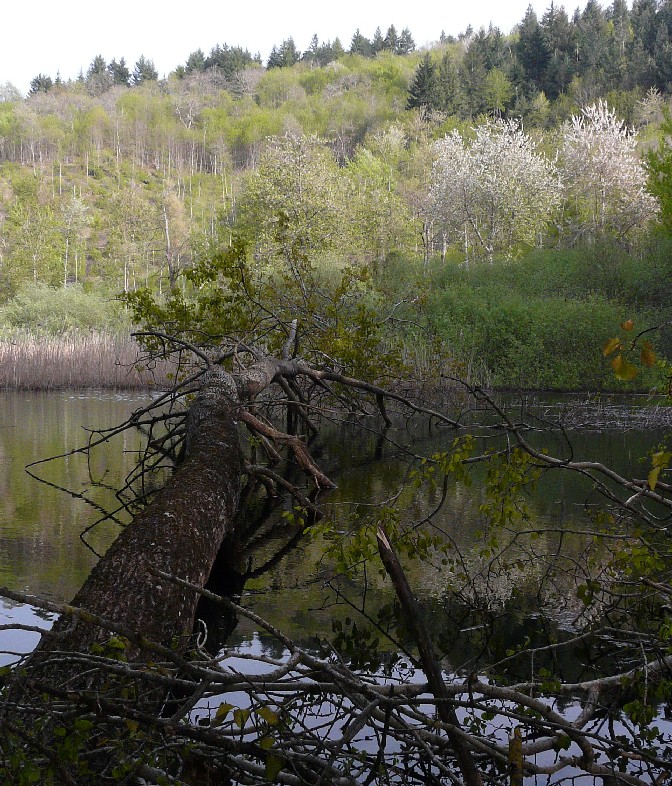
{"type": "Point", "coordinates": [202, 143]}
{"type": "Point", "coordinates": [543, 321]}
{"type": "Point", "coordinates": [338, 316]}
{"type": "Point", "coordinates": [39, 308]}
{"type": "Point", "coordinates": [659, 169]}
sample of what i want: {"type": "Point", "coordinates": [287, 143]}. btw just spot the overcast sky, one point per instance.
{"type": "Point", "coordinates": [46, 36]}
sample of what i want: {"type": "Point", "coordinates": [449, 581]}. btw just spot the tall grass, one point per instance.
{"type": "Point", "coordinates": [75, 359]}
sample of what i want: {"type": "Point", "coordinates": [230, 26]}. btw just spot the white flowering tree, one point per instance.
{"type": "Point", "coordinates": [494, 194]}
{"type": "Point", "coordinates": [603, 176]}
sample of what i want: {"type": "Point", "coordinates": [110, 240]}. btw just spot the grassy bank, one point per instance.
{"type": "Point", "coordinates": [74, 360]}
{"type": "Point", "coordinates": [541, 322]}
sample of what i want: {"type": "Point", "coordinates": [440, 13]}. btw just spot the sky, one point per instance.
{"type": "Point", "coordinates": [48, 36]}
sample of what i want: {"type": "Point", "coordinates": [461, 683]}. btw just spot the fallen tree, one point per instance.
{"type": "Point", "coordinates": [123, 689]}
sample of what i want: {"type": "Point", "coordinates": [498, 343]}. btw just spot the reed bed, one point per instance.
{"type": "Point", "coordinates": [76, 360]}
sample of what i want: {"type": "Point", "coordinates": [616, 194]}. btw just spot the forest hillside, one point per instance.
{"type": "Point", "coordinates": [509, 192]}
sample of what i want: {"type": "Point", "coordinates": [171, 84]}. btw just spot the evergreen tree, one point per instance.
{"type": "Point", "coordinates": [643, 19]}
{"type": "Point", "coordinates": [619, 18]}
{"type": "Point", "coordinates": [195, 62]}
{"type": "Point", "coordinates": [284, 56]}
{"type": "Point", "coordinates": [423, 92]}
{"type": "Point", "coordinates": [473, 72]}
{"type": "Point", "coordinates": [619, 34]}
{"type": "Point", "coordinates": [311, 55]}
{"type": "Point", "coordinates": [378, 42]}
{"type": "Point", "coordinates": [228, 60]}
{"type": "Point", "coordinates": [662, 58]}
{"type": "Point", "coordinates": [391, 39]}
{"type": "Point", "coordinates": [592, 41]}
{"type": "Point", "coordinates": [119, 72]}
{"type": "Point", "coordinates": [98, 77]}
{"type": "Point", "coordinates": [561, 45]}
{"type": "Point", "coordinates": [360, 45]}
{"type": "Point", "coordinates": [450, 96]}
{"type": "Point", "coordinates": [144, 71]}
{"type": "Point", "coordinates": [98, 67]}
{"type": "Point", "coordinates": [274, 60]}
{"type": "Point", "coordinates": [532, 51]}
{"type": "Point", "coordinates": [405, 44]}
{"type": "Point", "coordinates": [40, 84]}
{"type": "Point", "coordinates": [337, 50]}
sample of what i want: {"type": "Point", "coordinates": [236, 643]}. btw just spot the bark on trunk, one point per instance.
{"type": "Point", "coordinates": [179, 533]}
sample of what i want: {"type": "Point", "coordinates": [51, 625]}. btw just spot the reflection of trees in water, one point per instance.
{"type": "Point", "coordinates": [492, 607]}
{"type": "Point", "coordinates": [39, 524]}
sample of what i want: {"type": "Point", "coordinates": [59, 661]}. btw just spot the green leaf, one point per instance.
{"type": "Point", "coordinates": [240, 717]}
{"type": "Point", "coordinates": [661, 460]}
{"type": "Point", "coordinates": [266, 743]}
{"type": "Point", "coordinates": [561, 743]}
{"type": "Point", "coordinates": [273, 767]}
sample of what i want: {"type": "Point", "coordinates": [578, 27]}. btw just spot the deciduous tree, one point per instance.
{"type": "Point", "coordinates": [495, 193]}
{"type": "Point", "coordinates": [603, 176]}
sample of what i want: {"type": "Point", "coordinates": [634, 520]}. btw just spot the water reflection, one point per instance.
{"type": "Point", "coordinates": [40, 548]}
{"type": "Point", "coordinates": [41, 552]}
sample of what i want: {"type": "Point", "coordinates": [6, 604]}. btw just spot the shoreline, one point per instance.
{"type": "Point", "coordinates": [114, 362]}
{"type": "Point", "coordinates": [77, 361]}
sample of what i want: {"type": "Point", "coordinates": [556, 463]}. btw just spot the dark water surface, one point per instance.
{"type": "Point", "coordinates": [41, 550]}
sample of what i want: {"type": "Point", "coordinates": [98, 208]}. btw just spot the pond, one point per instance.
{"type": "Point", "coordinates": [46, 548]}
{"type": "Point", "coordinates": [47, 545]}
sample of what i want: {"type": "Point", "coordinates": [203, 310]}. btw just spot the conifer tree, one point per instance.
{"type": "Point", "coordinates": [391, 39]}
{"type": "Point", "coordinates": [532, 50]}
{"type": "Point", "coordinates": [40, 84]}
{"type": "Point", "coordinates": [119, 72]}
{"type": "Point", "coordinates": [423, 92]}
{"type": "Point", "coordinates": [144, 71]}
{"type": "Point", "coordinates": [337, 50]}
{"type": "Point", "coordinates": [284, 56]}
{"type": "Point", "coordinates": [378, 42]}
{"type": "Point", "coordinates": [450, 96]}
{"type": "Point", "coordinates": [405, 43]}
{"type": "Point", "coordinates": [360, 45]}
{"type": "Point", "coordinates": [195, 62]}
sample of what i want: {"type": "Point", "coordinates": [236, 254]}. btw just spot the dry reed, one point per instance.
{"type": "Point", "coordinates": [75, 360]}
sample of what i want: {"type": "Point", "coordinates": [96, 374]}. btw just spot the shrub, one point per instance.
{"type": "Point", "coordinates": [43, 309]}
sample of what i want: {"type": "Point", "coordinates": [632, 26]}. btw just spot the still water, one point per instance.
{"type": "Point", "coordinates": [43, 551]}
{"type": "Point", "coordinates": [48, 548]}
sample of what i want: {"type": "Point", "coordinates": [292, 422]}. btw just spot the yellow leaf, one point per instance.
{"type": "Point", "coordinates": [652, 477]}
{"type": "Point", "coordinates": [240, 717]}
{"type": "Point", "coordinates": [222, 711]}
{"type": "Point", "coordinates": [661, 460]}
{"type": "Point", "coordinates": [272, 718]}
{"type": "Point", "coordinates": [627, 325]}
{"type": "Point", "coordinates": [611, 346]}
{"type": "Point", "coordinates": [648, 356]}
{"type": "Point", "coordinates": [131, 725]}
{"type": "Point", "coordinates": [623, 370]}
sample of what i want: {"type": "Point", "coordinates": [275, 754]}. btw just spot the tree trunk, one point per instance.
{"type": "Point", "coordinates": [179, 533]}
